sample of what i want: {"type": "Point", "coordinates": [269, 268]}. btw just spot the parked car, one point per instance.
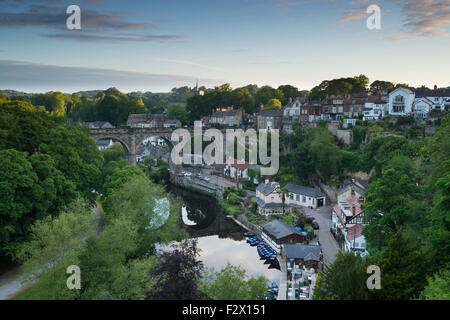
{"type": "Point", "coordinates": [206, 178]}
{"type": "Point", "coordinates": [187, 174]}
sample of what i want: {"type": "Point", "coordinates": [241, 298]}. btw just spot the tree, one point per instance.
{"type": "Point", "coordinates": [325, 154]}
{"type": "Point", "coordinates": [403, 270]}
{"type": "Point", "coordinates": [149, 207]}
{"type": "Point", "coordinates": [438, 287]}
{"type": "Point", "coordinates": [389, 206]}
{"type": "Point", "coordinates": [55, 244]}
{"type": "Point", "coordinates": [273, 104]}
{"type": "Point", "coordinates": [176, 111]}
{"type": "Point", "coordinates": [30, 189]}
{"type": "Point", "coordinates": [232, 283]}
{"type": "Point", "coordinates": [289, 92]}
{"type": "Point", "coordinates": [344, 279]}
{"type": "Point", "coordinates": [378, 85]}
{"type": "Point", "coordinates": [265, 93]}
{"type": "Point", "coordinates": [178, 273]}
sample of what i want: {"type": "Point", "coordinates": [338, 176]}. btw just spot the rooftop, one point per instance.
{"type": "Point", "coordinates": [279, 229]}
{"type": "Point", "coordinates": [309, 192]}
{"type": "Point", "coordinates": [302, 251]}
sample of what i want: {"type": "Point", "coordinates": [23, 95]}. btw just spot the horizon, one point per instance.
{"type": "Point", "coordinates": [155, 46]}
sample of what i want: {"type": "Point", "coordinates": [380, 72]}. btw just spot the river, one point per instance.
{"type": "Point", "coordinates": [220, 239]}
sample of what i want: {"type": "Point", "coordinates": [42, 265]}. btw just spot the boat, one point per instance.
{"type": "Point", "coordinates": [249, 234]}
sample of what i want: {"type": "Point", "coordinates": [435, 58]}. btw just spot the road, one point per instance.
{"type": "Point", "coordinates": [329, 245]}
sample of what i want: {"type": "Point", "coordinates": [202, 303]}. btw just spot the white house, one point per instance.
{"type": "Point", "coordinates": [421, 107]}
{"type": "Point", "coordinates": [269, 199]}
{"type": "Point", "coordinates": [347, 219]}
{"type": "Point", "coordinates": [375, 110]}
{"type": "Point", "coordinates": [439, 98]}
{"type": "Point", "coordinates": [304, 196]}
{"type": "Point", "coordinates": [104, 144]}
{"type": "Point", "coordinates": [237, 170]}
{"type": "Point", "coordinates": [401, 102]}
{"type": "Point", "coordinates": [291, 113]}
{"type": "Point", "coordinates": [355, 240]}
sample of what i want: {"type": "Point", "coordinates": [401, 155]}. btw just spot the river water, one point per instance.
{"type": "Point", "coordinates": [220, 239]}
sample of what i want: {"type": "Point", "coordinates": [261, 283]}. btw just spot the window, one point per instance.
{"type": "Point", "coordinates": [303, 199]}
{"type": "Point", "coordinates": [398, 98]}
{"type": "Point", "coordinates": [291, 196]}
{"type": "Point", "coordinates": [297, 197]}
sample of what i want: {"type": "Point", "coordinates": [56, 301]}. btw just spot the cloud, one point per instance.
{"type": "Point", "coordinates": [353, 16]}
{"type": "Point", "coordinates": [424, 18]}
{"type": "Point", "coordinates": [95, 25]}
{"type": "Point", "coordinates": [95, 37]}
{"type": "Point", "coordinates": [34, 77]}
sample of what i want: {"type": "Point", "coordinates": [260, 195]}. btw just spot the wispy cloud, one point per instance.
{"type": "Point", "coordinates": [96, 25]}
{"type": "Point", "coordinates": [425, 18]}
{"type": "Point", "coordinates": [353, 16]}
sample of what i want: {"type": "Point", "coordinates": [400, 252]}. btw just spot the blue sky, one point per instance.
{"type": "Point", "coordinates": [157, 45]}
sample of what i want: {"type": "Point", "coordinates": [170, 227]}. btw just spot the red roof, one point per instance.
{"type": "Point", "coordinates": [354, 231]}
{"type": "Point", "coordinates": [355, 208]}
{"type": "Point", "coordinates": [234, 163]}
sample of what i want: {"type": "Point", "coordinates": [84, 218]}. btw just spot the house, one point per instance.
{"type": "Point", "coordinates": [169, 123]}
{"type": "Point", "coordinates": [236, 170]}
{"type": "Point", "coordinates": [333, 109]}
{"type": "Point", "coordinates": [97, 125]}
{"type": "Point", "coordinates": [421, 107]}
{"type": "Point", "coordinates": [355, 240]}
{"type": "Point", "coordinates": [146, 120]}
{"type": "Point", "coordinates": [104, 144]}
{"type": "Point", "coordinates": [375, 108]}
{"type": "Point", "coordinates": [228, 117]}
{"type": "Point", "coordinates": [304, 196]}
{"type": "Point", "coordinates": [305, 255]}
{"type": "Point", "coordinates": [270, 199]}
{"type": "Point", "coordinates": [347, 213]}
{"type": "Point", "coordinates": [351, 188]}
{"type": "Point", "coordinates": [439, 98]}
{"type": "Point", "coordinates": [347, 223]}
{"type": "Point", "coordinates": [291, 113]}
{"type": "Point", "coordinates": [277, 233]}
{"type": "Point", "coordinates": [348, 122]}
{"type": "Point", "coordinates": [401, 102]}
{"type": "Point", "coordinates": [270, 119]}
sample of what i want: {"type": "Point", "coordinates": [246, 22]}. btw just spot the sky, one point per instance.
{"type": "Point", "coordinates": [156, 45]}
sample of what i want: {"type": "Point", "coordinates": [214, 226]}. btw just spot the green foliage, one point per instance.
{"type": "Point", "coordinates": [177, 112]}
{"type": "Point", "coordinates": [232, 283]}
{"type": "Point", "coordinates": [344, 279]}
{"type": "Point", "coordinates": [339, 87]}
{"type": "Point", "coordinates": [55, 244]}
{"type": "Point", "coordinates": [403, 270]}
{"type": "Point", "coordinates": [110, 105]}
{"type": "Point", "coordinates": [30, 189]}
{"type": "Point", "coordinates": [438, 287]}
{"type": "Point", "coordinates": [389, 206]}
{"type": "Point", "coordinates": [273, 104]}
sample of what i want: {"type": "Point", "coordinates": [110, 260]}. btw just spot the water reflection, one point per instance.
{"type": "Point", "coordinates": [216, 252]}
{"type": "Point", "coordinates": [219, 238]}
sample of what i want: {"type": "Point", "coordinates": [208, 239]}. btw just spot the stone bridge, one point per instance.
{"type": "Point", "coordinates": [131, 138]}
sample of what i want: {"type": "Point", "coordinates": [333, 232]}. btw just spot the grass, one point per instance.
{"type": "Point", "coordinates": [35, 291]}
